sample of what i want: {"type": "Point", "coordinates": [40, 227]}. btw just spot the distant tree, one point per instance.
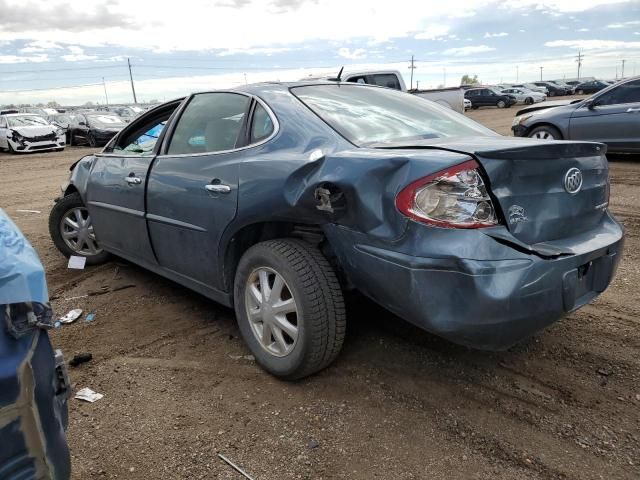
{"type": "Point", "coordinates": [468, 80]}
{"type": "Point", "coordinates": [40, 104]}
{"type": "Point", "coordinates": [53, 104]}
{"type": "Point", "coordinates": [154, 101]}
{"type": "Point", "coordinates": [88, 104]}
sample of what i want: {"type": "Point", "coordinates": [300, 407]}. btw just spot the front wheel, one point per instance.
{"type": "Point", "coordinates": [545, 132]}
{"type": "Point", "coordinates": [71, 230]}
{"type": "Point", "coordinates": [501, 104]}
{"type": "Point", "coordinates": [92, 140]}
{"type": "Point", "coordinates": [289, 307]}
{"type": "Point", "coordinates": [528, 101]}
{"type": "Point", "coordinates": [580, 92]}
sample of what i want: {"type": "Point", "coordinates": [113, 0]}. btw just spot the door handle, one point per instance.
{"type": "Point", "coordinates": [633, 110]}
{"type": "Point", "coordinates": [133, 180]}
{"type": "Point", "coordinates": [218, 188]}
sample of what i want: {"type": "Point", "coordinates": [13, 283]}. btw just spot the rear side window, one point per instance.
{"type": "Point", "coordinates": [262, 125]}
{"type": "Point", "coordinates": [626, 93]}
{"type": "Point", "coordinates": [211, 122]}
{"type": "Point", "coordinates": [388, 80]}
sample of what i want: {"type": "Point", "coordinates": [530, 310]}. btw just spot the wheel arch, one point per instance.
{"type": "Point", "coordinates": [236, 243]}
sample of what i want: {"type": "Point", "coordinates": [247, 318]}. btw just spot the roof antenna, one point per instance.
{"type": "Point", "coordinates": [339, 77]}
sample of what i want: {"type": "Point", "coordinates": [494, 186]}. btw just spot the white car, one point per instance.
{"type": "Point", "coordinates": [523, 95]}
{"type": "Point", "coordinates": [467, 104]}
{"type": "Point", "coordinates": [27, 132]}
{"type": "Point", "coordinates": [531, 86]}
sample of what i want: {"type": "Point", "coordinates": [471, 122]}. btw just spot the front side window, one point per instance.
{"type": "Point", "coordinates": [626, 93]}
{"type": "Point", "coordinates": [211, 122]}
{"type": "Point", "coordinates": [369, 115]}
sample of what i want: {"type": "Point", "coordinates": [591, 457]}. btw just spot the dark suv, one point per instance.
{"type": "Point", "coordinates": [488, 97]}
{"type": "Point", "coordinates": [553, 88]}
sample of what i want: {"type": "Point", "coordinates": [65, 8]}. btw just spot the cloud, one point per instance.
{"type": "Point", "coordinates": [583, 30]}
{"type": "Point", "coordinates": [353, 55]}
{"type": "Point", "coordinates": [462, 51]}
{"type": "Point", "coordinates": [623, 24]}
{"type": "Point", "coordinates": [28, 59]}
{"type": "Point", "coordinates": [254, 51]}
{"type": "Point", "coordinates": [494, 35]}
{"type": "Point", "coordinates": [40, 46]}
{"type": "Point", "coordinates": [26, 16]}
{"type": "Point", "coordinates": [615, 25]}
{"type": "Point", "coordinates": [593, 44]}
{"type": "Point", "coordinates": [73, 57]}
{"type": "Point", "coordinates": [432, 32]}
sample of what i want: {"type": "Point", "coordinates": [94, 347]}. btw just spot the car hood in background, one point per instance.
{"type": "Point", "coordinates": [34, 131]}
{"type": "Point", "coordinates": [546, 105]}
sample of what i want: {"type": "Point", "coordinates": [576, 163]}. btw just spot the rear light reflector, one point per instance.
{"type": "Point", "coordinates": [452, 198]}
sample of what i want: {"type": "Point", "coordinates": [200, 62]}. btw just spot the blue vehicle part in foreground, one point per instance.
{"type": "Point", "coordinates": [34, 385]}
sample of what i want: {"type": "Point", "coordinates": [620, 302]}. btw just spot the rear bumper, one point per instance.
{"type": "Point", "coordinates": [485, 304]}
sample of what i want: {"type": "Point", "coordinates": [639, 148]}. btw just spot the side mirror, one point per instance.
{"type": "Point", "coordinates": [591, 104]}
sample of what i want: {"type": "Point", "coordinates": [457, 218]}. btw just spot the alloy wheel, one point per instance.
{"type": "Point", "coordinates": [77, 232]}
{"type": "Point", "coordinates": [272, 311]}
{"type": "Point", "coordinates": [542, 135]}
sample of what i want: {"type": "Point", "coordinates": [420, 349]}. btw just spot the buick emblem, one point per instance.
{"type": "Point", "coordinates": [573, 181]}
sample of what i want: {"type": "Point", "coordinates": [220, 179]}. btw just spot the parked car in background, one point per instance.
{"type": "Point", "coordinates": [553, 89]}
{"type": "Point", "coordinates": [63, 122]}
{"type": "Point", "coordinates": [273, 198]}
{"type": "Point", "coordinates": [467, 104]}
{"type": "Point", "coordinates": [27, 132]}
{"type": "Point", "coordinates": [452, 97]}
{"type": "Point", "coordinates": [489, 97]}
{"type": "Point", "coordinates": [34, 384]}
{"type": "Point", "coordinates": [590, 87]}
{"type": "Point", "coordinates": [94, 128]}
{"type": "Point", "coordinates": [126, 112]}
{"type": "Point", "coordinates": [42, 111]}
{"type": "Point", "coordinates": [532, 87]}
{"type": "Point", "coordinates": [568, 89]}
{"type": "Point", "coordinates": [524, 96]}
{"type": "Point", "coordinates": [611, 116]}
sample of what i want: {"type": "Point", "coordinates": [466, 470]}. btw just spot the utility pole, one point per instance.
{"type": "Point", "coordinates": [133, 88]}
{"type": "Point", "coordinates": [245, 79]}
{"type": "Point", "coordinates": [622, 73]}
{"type": "Point", "coordinates": [517, 74]}
{"type": "Point", "coordinates": [541, 73]}
{"type": "Point", "coordinates": [412, 67]}
{"type": "Point", "coordinates": [105, 91]}
{"type": "Point", "coordinates": [579, 58]}
{"type": "Point", "coordinates": [444, 79]}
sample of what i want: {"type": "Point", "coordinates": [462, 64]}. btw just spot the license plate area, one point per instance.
{"type": "Point", "coordinates": [583, 283]}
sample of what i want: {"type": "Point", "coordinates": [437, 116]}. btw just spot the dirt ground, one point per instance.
{"type": "Point", "coordinates": [179, 385]}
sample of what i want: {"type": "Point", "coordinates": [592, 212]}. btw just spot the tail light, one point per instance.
{"type": "Point", "coordinates": [452, 198]}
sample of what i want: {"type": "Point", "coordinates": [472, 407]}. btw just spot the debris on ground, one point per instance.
{"type": "Point", "coordinates": [28, 211]}
{"type": "Point", "coordinates": [313, 443]}
{"type": "Point", "coordinates": [90, 317]}
{"type": "Point", "coordinates": [80, 358]}
{"type": "Point", "coordinates": [88, 395]}
{"type": "Point", "coordinates": [249, 358]}
{"type": "Point", "coordinates": [76, 262]}
{"type": "Point", "coordinates": [235, 467]}
{"type": "Point", "coordinates": [109, 289]}
{"type": "Point", "coordinates": [71, 316]}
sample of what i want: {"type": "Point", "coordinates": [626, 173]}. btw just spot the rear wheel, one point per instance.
{"type": "Point", "coordinates": [580, 92]}
{"type": "Point", "coordinates": [10, 148]}
{"type": "Point", "coordinates": [71, 230]}
{"type": "Point", "coordinates": [289, 307]}
{"type": "Point", "coordinates": [545, 132]}
{"type": "Point", "coordinates": [501, 104]}
{"type": "Point", "coordinates": [528, 101]}
{"type": "Point", "coordinates": [552, 94]}
{"type": "Point", "coordinates": [92, 140]}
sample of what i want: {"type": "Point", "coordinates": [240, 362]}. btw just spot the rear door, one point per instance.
{"type": "Point", "coordinates": [614, 119]}
{"type": "Point", "coordinates": [193, 185]}
{"type": "Point", "coordinates": [115, 194]}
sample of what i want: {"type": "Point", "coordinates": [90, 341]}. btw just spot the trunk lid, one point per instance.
{"type": "Point", "coordinates": [527, 179]}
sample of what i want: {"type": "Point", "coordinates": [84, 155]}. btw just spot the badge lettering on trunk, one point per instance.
{"type": "Point", "coordinates": [573, 181]}
{"type": "Point", "coordinates": [517, 215]}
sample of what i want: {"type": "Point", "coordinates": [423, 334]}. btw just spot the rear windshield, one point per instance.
{"type": "Point", "coordinates": [369, 115]}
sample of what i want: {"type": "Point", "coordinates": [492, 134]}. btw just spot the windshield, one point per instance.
{"type": "Point", "coordinates": [105, 121]}
{"type": "Point", "coordinates": [366, 115]}
{"type": "Point", "coordinates": [26, 121]}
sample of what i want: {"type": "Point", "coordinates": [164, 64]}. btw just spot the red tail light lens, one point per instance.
{"type": "Point", "coordinates": [453, 198]}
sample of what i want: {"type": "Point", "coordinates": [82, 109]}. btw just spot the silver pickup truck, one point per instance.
{"type": "Point", "coordinates": [452, 97]}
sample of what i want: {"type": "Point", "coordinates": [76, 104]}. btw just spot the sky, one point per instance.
{"type": "Point", "coordinates": [74, 52]}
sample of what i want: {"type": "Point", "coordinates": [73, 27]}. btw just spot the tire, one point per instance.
{"type": "Point", "coordinates": [65, 206]}
{"type": "Point", "coordinates": [528, 101]}
{"type": "Point", "coordinates": [91, 139]}
{"type": "Point", "coordinates": [474, 107]}
{"type": "Point", "coordinates": [552, 94]}
{"type": "Point", "coordinates": [319, 318]}
{"type": "Point", "coordinates": [10, 148]}
{"type": "Point", "coordinates": [501, 104]}
{"type": "Point", "coordinates": [580, 92]}
{"type": "Point", "coordinates": [545, 132]}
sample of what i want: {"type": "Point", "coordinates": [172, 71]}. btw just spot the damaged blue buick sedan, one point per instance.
{"type": "Point", "coordinates": [275, 198]}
